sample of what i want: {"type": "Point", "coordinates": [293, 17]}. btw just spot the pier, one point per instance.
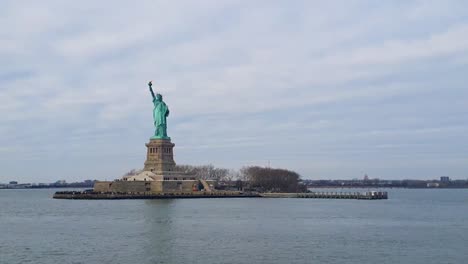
{"type": "Point", "coordinates": [370, 195]}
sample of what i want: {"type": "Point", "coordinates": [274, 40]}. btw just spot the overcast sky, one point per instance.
{"type": "Point", "coordinates": [330, 89]}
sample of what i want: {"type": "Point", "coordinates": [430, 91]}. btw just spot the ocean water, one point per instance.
{"type": "Point", "coordinates": [413, 226]}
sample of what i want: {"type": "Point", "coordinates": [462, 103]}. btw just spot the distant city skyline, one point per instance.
{"type": "Point", "coordinates": [330, 89]}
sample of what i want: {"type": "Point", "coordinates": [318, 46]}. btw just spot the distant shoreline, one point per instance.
{"type": "Point", "coordinates": [381, 187]}
{"type": "Point", "coordinates": [46, 187]}
{"type": "Point", "coordinates": [314, 187]}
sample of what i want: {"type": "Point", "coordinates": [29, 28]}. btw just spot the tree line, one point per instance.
{"type": "Point", "coordinates": [257, 178]}
{"type": "Point", "coordinates": [272, 180]}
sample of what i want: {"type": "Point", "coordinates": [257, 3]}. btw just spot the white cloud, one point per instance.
{"type": "Point", "coordinates": [238, 76]}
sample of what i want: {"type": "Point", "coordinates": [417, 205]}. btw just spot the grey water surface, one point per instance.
{"type": "Point", "coordinates": [413, 226]}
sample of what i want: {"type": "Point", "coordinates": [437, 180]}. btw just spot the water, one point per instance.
{"type": "Point", "coordinates": [413, 226]}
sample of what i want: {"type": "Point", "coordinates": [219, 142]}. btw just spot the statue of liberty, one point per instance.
{"type": "Point", "coordinates": [160, 113]}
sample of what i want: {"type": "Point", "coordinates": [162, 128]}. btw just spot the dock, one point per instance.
{"type": "Point", "coordinates": [371, 195]}
{"type": "Point", "coordinates": [90, 195]}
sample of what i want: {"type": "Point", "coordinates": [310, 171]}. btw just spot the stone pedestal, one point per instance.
{"type": "Point", "coordinates": [158, 176]}
{"type": "Point", "coordinates": [159, 156]}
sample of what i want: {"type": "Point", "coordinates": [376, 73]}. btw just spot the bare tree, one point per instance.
{"type": "Point", "coordinates": [206, 172]}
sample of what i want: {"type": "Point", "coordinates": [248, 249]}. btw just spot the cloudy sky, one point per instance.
{"type": "Point", "coordinates": [331, 89]}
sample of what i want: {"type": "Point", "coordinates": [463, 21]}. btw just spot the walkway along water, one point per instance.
{"type": "Point", "coordinates": [89, 195]}
{"type": "Point", "coordinates": [371, 195]}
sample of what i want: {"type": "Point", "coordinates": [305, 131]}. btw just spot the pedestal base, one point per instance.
{"type": "Point", "coordinates": [159, 156]}
{"type": "Point", "coordinates": [163, 138]}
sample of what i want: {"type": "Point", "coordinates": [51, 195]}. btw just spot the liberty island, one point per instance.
{"type": "Point", "coordinates": [160, 178]}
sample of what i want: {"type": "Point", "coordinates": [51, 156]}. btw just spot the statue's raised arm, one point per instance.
{"type": "Point", "coordinates": [150, 85]}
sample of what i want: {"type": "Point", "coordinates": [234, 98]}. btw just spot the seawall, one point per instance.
{"type": "Point", "coordinates": [89, 195]}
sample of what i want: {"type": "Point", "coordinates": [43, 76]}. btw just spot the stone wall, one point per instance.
{"type": "Point", "coordinates": [157, 186]}
{"type": "Point", "coordinates": [123, 186]}
{"type": "Point", "coordinates": [144, 186]}
{"type": "Point", "coordinates": [179, 186]}
{"type": "Point", "coordinates": [102, 186]}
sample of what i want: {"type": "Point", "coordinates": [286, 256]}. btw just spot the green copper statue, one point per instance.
{"type": "Point", "coordinates": [160, 113]}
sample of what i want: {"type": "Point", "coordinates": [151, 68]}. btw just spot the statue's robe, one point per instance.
{"type": "Point", "coordinates": [160, 112]}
